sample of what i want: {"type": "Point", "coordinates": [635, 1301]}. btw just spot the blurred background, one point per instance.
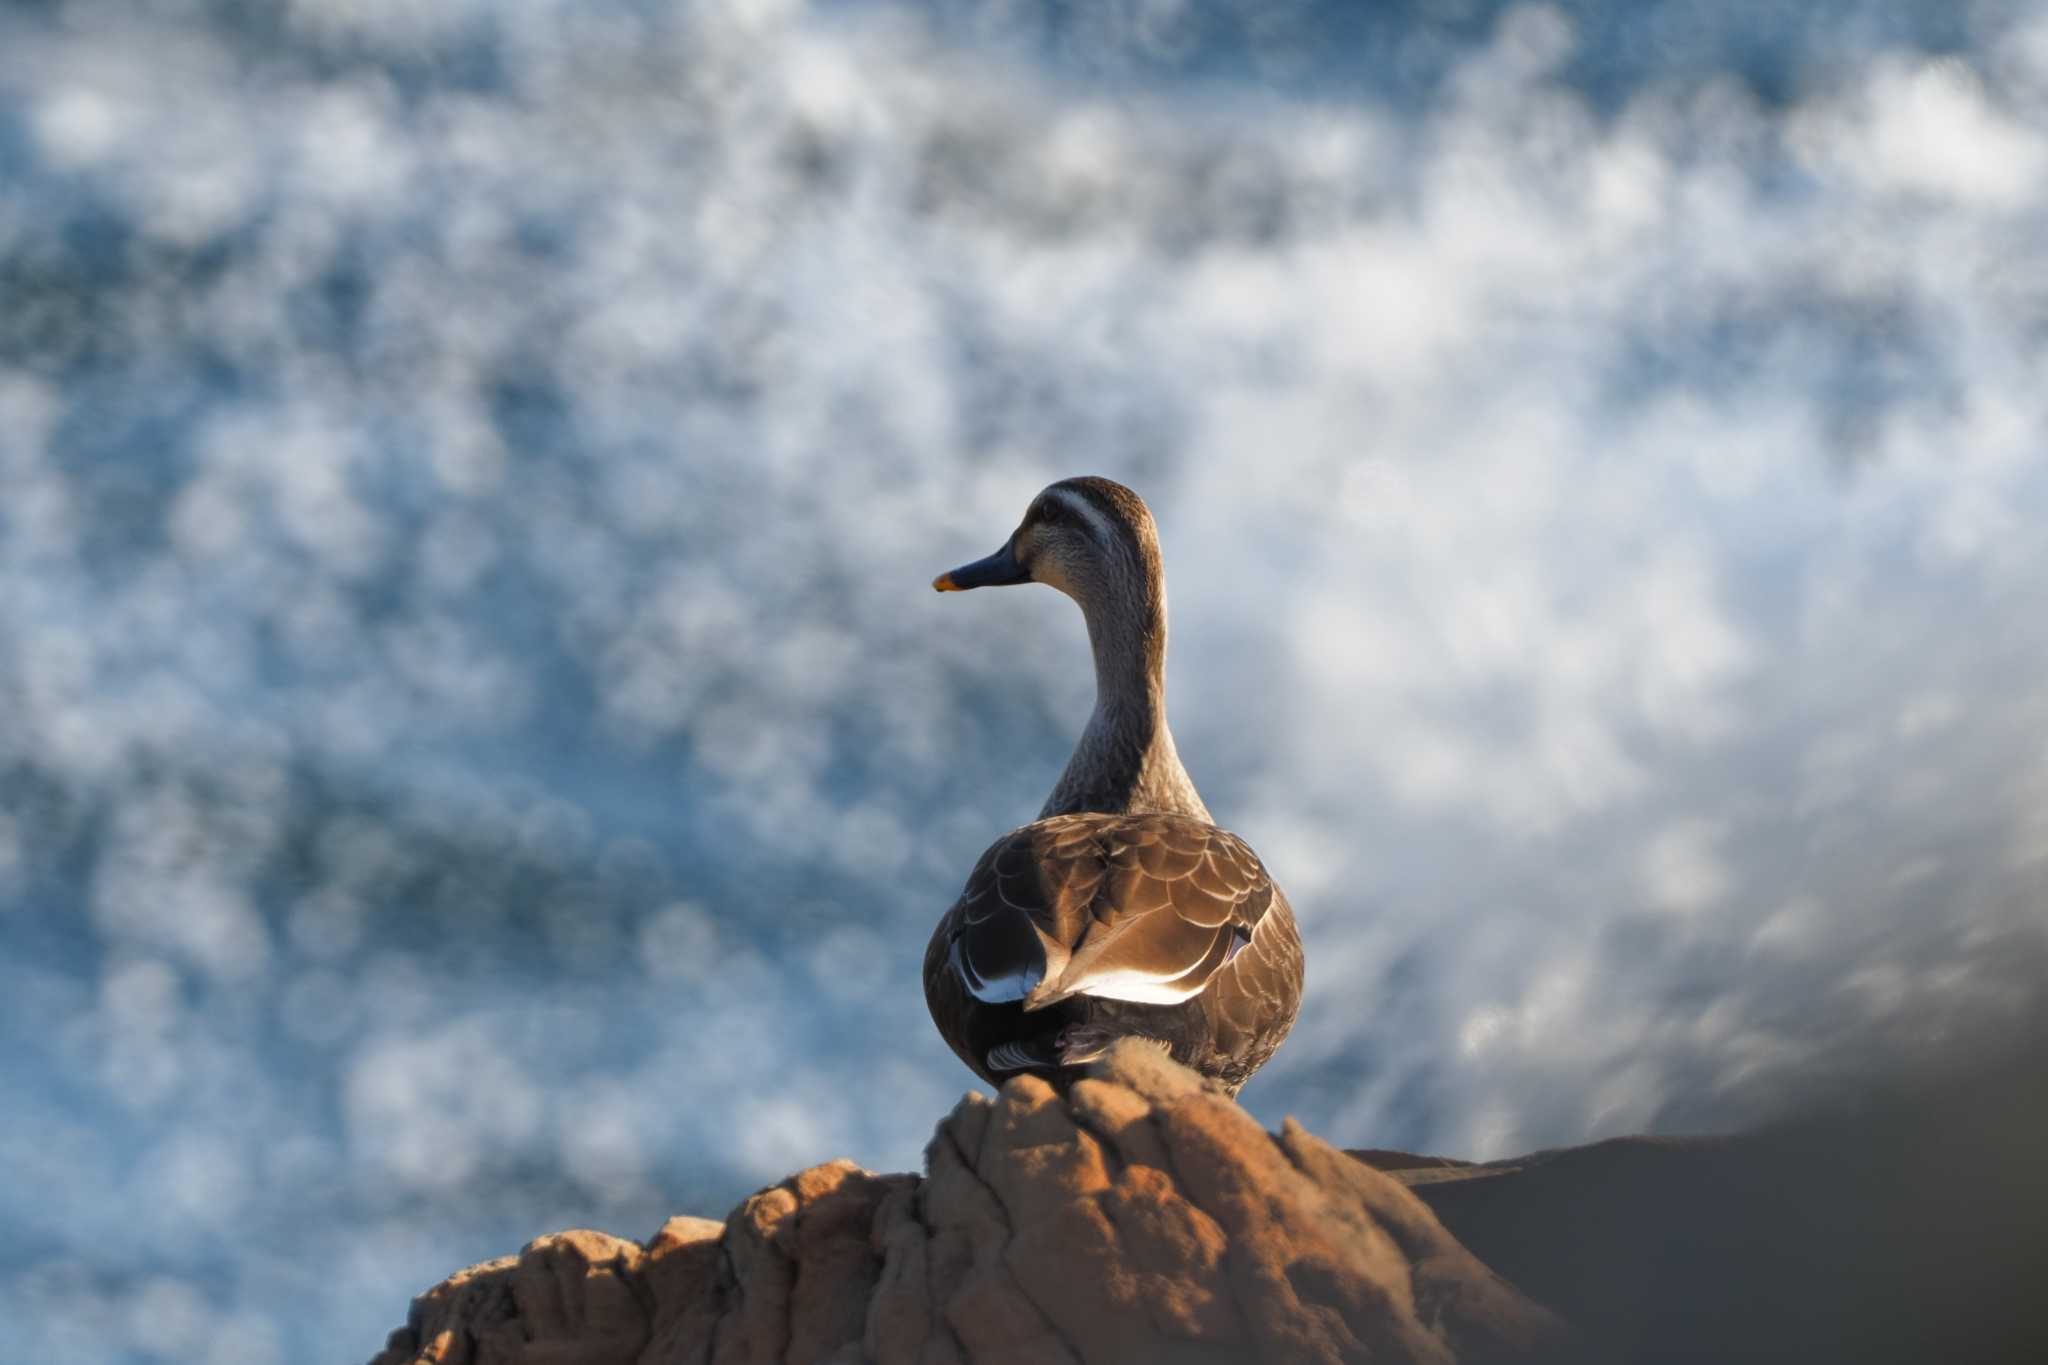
{"type": "Point", "coordinates": [479, 754]}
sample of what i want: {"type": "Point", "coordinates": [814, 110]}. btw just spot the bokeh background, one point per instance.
{"type": "Point", "coordinates": [478, 751]}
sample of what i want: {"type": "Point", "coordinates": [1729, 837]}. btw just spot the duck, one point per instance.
{"type": "Point", "coordinates": [1123, 910]}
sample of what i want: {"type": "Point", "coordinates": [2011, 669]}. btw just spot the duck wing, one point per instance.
{"type": "Point", "coordinates": [1140, 908]}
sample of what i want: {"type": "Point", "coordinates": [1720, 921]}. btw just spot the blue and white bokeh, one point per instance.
{"type": "Point", "coordinates": [478, 751]}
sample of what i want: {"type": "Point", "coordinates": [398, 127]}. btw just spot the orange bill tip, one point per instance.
{"type": "Point", "coordinates": [944, 583]}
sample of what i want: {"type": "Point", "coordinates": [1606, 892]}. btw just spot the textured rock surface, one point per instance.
{"type": "Point", "coordinates": [1141, 1218]}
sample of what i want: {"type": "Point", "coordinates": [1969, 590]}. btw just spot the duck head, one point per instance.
{"type": "Point", "coordinates": [1091, 538]}
{"type": "Point", "coordinates": [1094, 540]}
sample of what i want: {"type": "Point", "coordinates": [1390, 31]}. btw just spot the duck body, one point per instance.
{"type": "Point", "coordinates": [1123, 910]}
{"type": "Point", "coordinates": [1079, 929]}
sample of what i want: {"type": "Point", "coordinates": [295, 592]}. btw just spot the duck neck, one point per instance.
{"type": "Point", "coordinates": [1125, 761]}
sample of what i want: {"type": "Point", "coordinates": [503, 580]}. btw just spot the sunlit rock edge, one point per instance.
{"type": "Point", "coordinates": [1143, 1216]}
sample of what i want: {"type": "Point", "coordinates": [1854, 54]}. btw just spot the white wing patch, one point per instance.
{"type": "Point", "coordinates": [1000, 990]}
{"type": "Point", "coordinates": [1146, 988]}
{"type": "Point", "coordinates": [1005, 988]}
{"type": "Point", "coordinates": [1143, 988]}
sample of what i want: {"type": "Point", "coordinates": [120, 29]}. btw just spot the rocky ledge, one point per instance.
{"type": "Point", "coordinates": [1143, 1217]}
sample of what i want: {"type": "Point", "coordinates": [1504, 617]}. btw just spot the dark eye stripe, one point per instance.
{"type": "Point", "coordinates": [1046, 512]}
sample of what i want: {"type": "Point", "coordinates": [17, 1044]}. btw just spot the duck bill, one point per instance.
{"type": "Point", "coordinates": [998, 570]}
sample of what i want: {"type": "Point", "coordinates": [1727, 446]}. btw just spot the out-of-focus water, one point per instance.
{"type": "Point", "coordinates": [478, 754]}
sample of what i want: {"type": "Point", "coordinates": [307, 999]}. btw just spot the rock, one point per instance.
{"type": "Point", "coordinates": [569, 1299]}
{"type": "Point", "coordinates": [1143, 1217]}
{"type": "Point", "coordinates": [1905, 1226]}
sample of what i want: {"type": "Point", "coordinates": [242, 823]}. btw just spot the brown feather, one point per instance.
{"type": "Point", "coordinates": [1133, 912]}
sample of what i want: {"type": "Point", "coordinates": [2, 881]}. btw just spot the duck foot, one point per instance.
{"type": "Point", "coordinates": [1079, 1043]}
{"type": "Point", "coordinates": [1074, 1045]}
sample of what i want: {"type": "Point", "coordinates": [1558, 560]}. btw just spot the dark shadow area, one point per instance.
{"type": "Point", "coordinates": [1909, 1226]}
